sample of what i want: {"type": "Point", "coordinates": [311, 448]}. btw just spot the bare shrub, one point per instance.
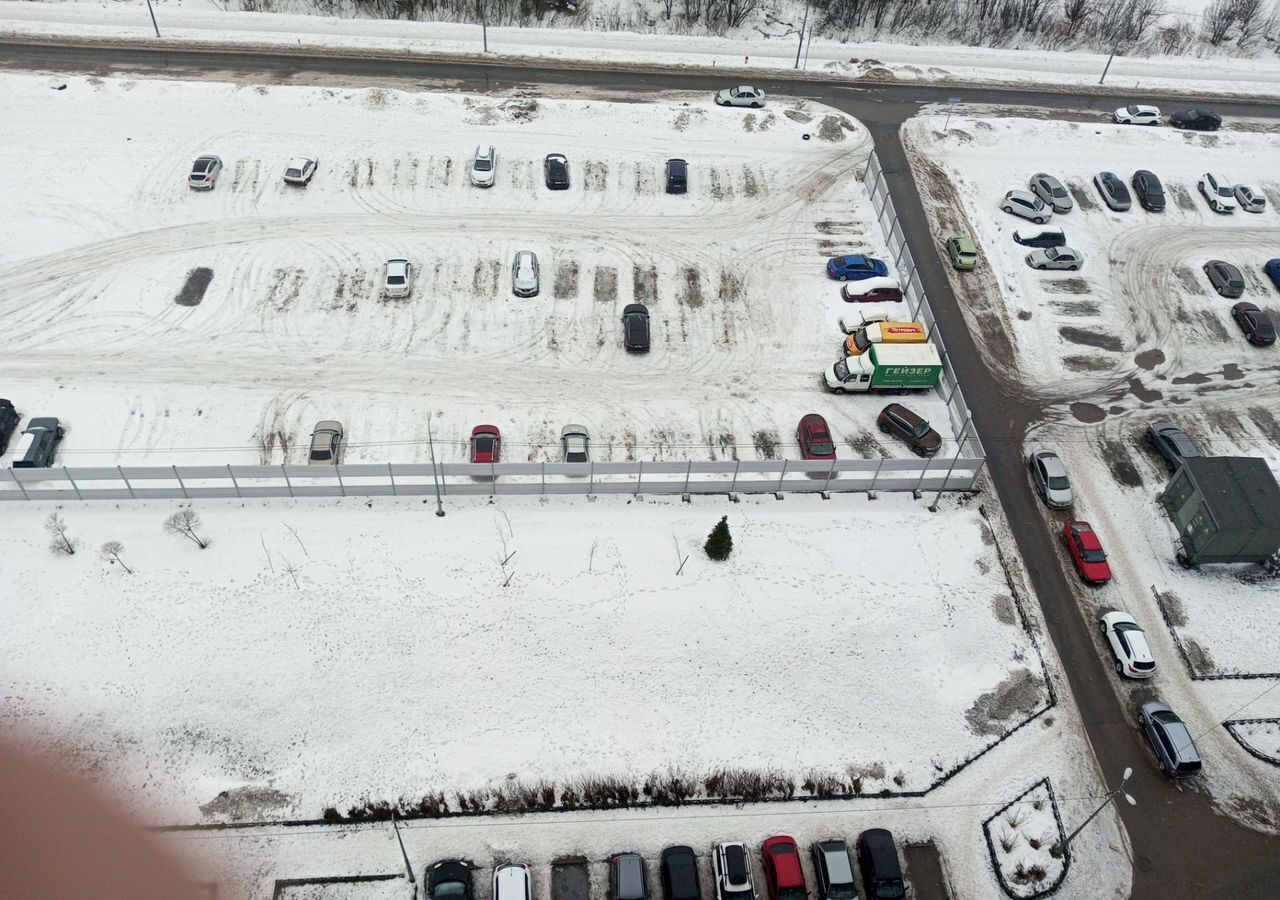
{"type": "Point", "coordinates": [111, 551]}
{"type": "Point", "coordinates": [1007, 840]}
{"type": "Point", "coordinates": [434, 805]}
{"type": "Point", "coordinates": [671, 787]}
{"type": "Point", "coordinates": [1016, 815]}
{"type": "Point", "coordinates": [824, 784]}
{"type": "Point", "coordinates": [1029, 874]}
{"type": "Point", "coordinates": [331, 814]}
{"type": "Point", "coordinates": [605, 791]}
{"type": "Point", "coordinates": [184, 523]}
{"type": "Point", "coordinates": [748, 784]}
{"type": "Point", "coordinates": [59, 541]}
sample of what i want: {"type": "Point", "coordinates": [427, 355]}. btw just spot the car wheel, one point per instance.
{"type": "Point", "coordinates": [1007, 209]}
{"type": "Point", "coordinates": [1102, 626]}
{"type": "Point", "coordinates": [755, 105]}
{"type": "Point", "coordinates": [883, 427]}
{"type": "Point", "coordinates": [1040, 266]}
{"type": "Point", "coordinates": [842, 277]}
{"type": "Point", "coordinates": [918, 451]}
{"type": "Point", "coordinates": [1119, 668]}
{"type": "Point", "coordinates": [840, 391]}
{"type": "Point", "coordinates": [1039, 220]}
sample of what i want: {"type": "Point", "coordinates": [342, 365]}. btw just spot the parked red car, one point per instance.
{"type": "Point", "coordinates": [782, 870]}
{"type": "Point", "coordinates": [1086, 552]}
{"type": "Point", "coordinates": [486, 444]}
{"type": "Point", "coordinates": [875, 290]}
{"type": "Point", "coordinates": [814, 438]}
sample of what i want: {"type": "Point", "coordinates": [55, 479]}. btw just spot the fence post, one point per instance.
{"type": "Point", "coordinates": [830, 469]}
{"type": "Point", "coordinates": [287, 482]}
{"type": "Point", "coordinates": [639, 476]}
{"type": "Point", "coordinates": [982, 462]}
{"type": "Point", "coordinates": [391, 475]}
{"type": "Point", "coordinates": [924, 471]}
{"type": "Point", "coordinates": [544, 476]}
{"type": "Point", "coordinates": [337, 470]}
{"type": "Point", "coordinates": [493, 481]}
{"type": "Point", "coordinates": [737, 464]}
{"type": "Point", "coordinates": [933, 507]}
{"type": "Point", "coordinates": [235, 484]}
{"type": "Point", "coordinates": [18, 481]}
{"type": "Point", "coordinates": [129, 487]}
{"type": "Point", "coordinates": [687, 471]}
{"type": "Point", "coordinates": [875, 479]}
{"type": "Point", "coordinates": [75, 487]}
{"type": "Point", "coordinates": [782, 475]}
{"type": "Point", "coordinates": [181, 486]}
{"type": "Point", "coordinates": [591, 477]}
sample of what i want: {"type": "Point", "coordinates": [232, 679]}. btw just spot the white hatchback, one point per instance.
{"type": "Point", "coordinates": [299, 170]}
{"type": "Point", "coordinates": [1128, 644]}
{"type": "Point", "coordinates": [511, 882]}
{"type": "Point", "coordinates": [484, 166]}
{"type": "Point", "coordinates": [1137, 114]}
{"type": "Point", "coordinates": [1026, 206]}
{"type": "Point", "coordinates": [397, 281]}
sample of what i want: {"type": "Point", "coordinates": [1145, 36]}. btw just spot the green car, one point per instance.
{"type": "Point", "coordinates": [963, 252]}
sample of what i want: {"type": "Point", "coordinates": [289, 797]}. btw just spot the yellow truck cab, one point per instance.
{"type": "Point", "coordinates": [862, 338]}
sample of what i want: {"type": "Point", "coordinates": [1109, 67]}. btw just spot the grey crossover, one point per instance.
{"type": "Point", "coordinates": [326, 443]}
{"type": "Point", "coordinates": [1226, 279]}
{"type": "Point", "coordinates": [38, 444]}
{"type": "Point", "coordinates": [1051, 191]}
{"type": "Point", "coordinates": [1113, 191]}
{"type": "Point", "coordinates": [1171, 739]}
{"type": "Point", "coordinates": [627, 878]}
{"type": "Point", "coordinates": [1172, 443]}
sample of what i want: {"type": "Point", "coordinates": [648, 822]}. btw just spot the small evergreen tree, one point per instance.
{"type": "Point", "coordinates": [719, 543]}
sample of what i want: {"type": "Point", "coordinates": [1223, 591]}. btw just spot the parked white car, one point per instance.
{"type": "Point", "coordinates": [742, 95]}
{"type": "Point", "coordinates": [397, 280]}
{"type": "Point", "coordinates": [1218, 192]}
{"type": "Point", "coordinates": [204, 173]}
{"type": "Point", "coordinates": [524, 274]}
{"type": "Point", "coordinates": [1128, 645]}
{"type": "Point", "coordinates": [484, 167]}
{"type": "Point", "coordinates": [1137, 114]}
{"type": "Point", "coordinates": [1249, 199]}
{"type": "Point", "coordinates": [1026, 206]}
{"type": "Point", "coordinates": [299, 170]}
{"type": "Point", "coordinates": [1055, 258]}
{"type": "Point", "coordinates": [575, 444]}
{"type": "Point", "coordinates": [511, 881]}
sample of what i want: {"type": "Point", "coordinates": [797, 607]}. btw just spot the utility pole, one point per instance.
{"type": "Point", "coordinates": [408, 868]}
{"type": "Point", "coordinates": [435, 473]}
{"type": "Point", "coordinates": [1107, 68]}
{"type": "Point", "coordinates": [803, 24]}
{"type": "Point", "coordinates": [1118, 792]}
{"type": "Point", "coordinates": [484, 25]}
{"type": "Point", "coordinates": [153, 18]}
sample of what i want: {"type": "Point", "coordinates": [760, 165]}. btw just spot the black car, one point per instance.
{"type": "Point", "coordinates": [881, 868]}
{"type": "Point", "coordinates": [1255, 324]}
{"type": "Point", "coordinates": [38, 444]}
{"type": "Point", "coordinates": [1196, 120]}
{"type": "Point", "coordinates": [449, 879]}
{"type": "Point", "coordinates": [1149, 191]}
{"type": "Point", "coordinates": [833, 870]}
{"type": "Point", "coordinates": [556, 168]}
{"type": "Point", "coordinates": [635, 327]}
{"type": "Point", "coordinates": [677, 176]}
{"type": "Point", "coordinates": [902, 423]}
{"type": "Point", "coordinates": [1172, 443]}
{"type": "Point", "coordinates": [627, 878]}
{"type": "Point", "coordinates": [680, 874]}
{"type": "Point", "coordinates": [8, 422]}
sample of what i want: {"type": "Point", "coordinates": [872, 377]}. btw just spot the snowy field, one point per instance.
{"type": "Point", "coordinates": [1141, 301]}
{"type": "Point", "coordinates": [293, 329]}
{"type": "Point", "coordinates": [377, 652]}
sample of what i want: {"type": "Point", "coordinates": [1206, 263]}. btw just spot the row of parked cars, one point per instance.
{"type": "Point", "coordinates": [1174, 746]}
{"type": "Point", "coordinates": [38, 443]}
{"type": "Point", "coordinates": [731, 868]}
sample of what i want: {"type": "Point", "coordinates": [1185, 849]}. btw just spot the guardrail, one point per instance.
{"type": "Point", "coordinates": [949, 473]}
{"type": "Point", "coordinates": [918, 304]}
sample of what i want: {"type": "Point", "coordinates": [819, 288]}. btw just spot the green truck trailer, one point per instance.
{"type": "Point", "coordinates": [886, 367]}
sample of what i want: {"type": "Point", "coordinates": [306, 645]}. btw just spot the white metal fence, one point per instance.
{"type": "Point", "coordinates": [918, 304]}
{"type": "Point", "coordinates": [953, 473]}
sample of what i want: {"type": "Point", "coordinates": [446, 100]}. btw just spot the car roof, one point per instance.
{"type": "Point", "coordinates": [1088, 536]}
{"type": "Point", "coordinates": [568, 430]}
{"type": "Point", "coordinates": [635, 308]}
{"type": "Point", "coordinates": [1138, 645]}
{"type": "Point", "coordinates": [813, 420]}
{"type": "Point", "coordinates": [1052, 463]}
{"type": "Point", "coordinates": [1018, 194]}
{"type": "Point", "coordinates": [484, 429]}
{"type": "Point", "coordinates": [299, 162]}
{"type": "Point", "coordinates": [484, 149]}
{"type": "Point", "coordinates": [903, 413]}
{"type": "Point", "coordinates": [735, 862]}
{"type": "Point", "coordinates": [328, 425]}
{"type": "Point", "coordinates": [1047, 177]}
{"type": "Point", "coordinates": [873, 283]}
{"type": "Point", "coordinates": [556, 157]}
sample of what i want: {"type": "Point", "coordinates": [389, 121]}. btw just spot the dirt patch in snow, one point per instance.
{"type": "Point", "coordinates": [1265, 422]}
{"type": "Point", "coordinates": [1213, 327]}
{"type": "Point", "coordinates": [520, 109]}
{"type": "Point", "coordinates": [566, 283]}
{"type": "Point", "coordinates": [796, 116]}
{"type": "Point", "coordinates": [596, 175]}
{"type": "Point", "coordinates": [1120, 464]}
{"type": "Point", "coordinates": [1171, 605]}
{"type": "Point", "coordinates": [1198, 657]}
{"type": "Point", "coordinates": [1083, 200]}
{"type": "Point", "coordinates": [1087, 363]}
{"type": "Point", "coordinates": [867, 447]}
{"type": "Point", "coordinates": [1182, 196]}
{"type": "Point", "coordinates": [604, 285]}
{"type": "Point", "coordinates": [721, 185]}
{"type": "Point", "coordinates": [749, 122]}
{"type": "Point", "coordinates": [751, 185]}
{"type": "Point", "coordinates": [644, 284]}
{"type": "Point", "coordinates": [646, 180]}
{"type": "Point", "coordinates": [1228, 423]}
{"type": "Point", "coordinates": [832, 128]}
{"type": "Point", "coordinates": [1077, 308]}
{"type": "Point", "coordinates": [1067, 286]}
{"type": "Point", "coordinates": [1091, 338]}
{"type": "Point", "coordinates": [247, 804]}
{"type": "Point", "coordinates": [286, 285]}
{"type": "Point", "coordinates": [484, 278]}
{"type": "Point", "coordinates": [193, 288]}
{"type": "Point", "coordinates": [1015, 697]}
{"type": "Point", "coordinates": [1187, 279]}
{"type": "Point", "coordinates": [766, 444]}
{"type": "Point", "coordinates": [1004, 610]}
{"type": "Point", "coordinates": [690, 290]}
{"type": "Point", "coordinates": [685, 117]}
{"type": "Point", "coordinates": [730, 285]}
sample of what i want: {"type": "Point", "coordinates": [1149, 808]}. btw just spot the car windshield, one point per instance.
{"type": "Point", "coordinates": [1051, 253]}
{"type": "Point", "coordinates": [1224, 190]}
{"type": "Point", "coordinates": [1059, 191]}
{"type": "Point", "coordinates": [1059, 483]}
{"type": "Point", "coordinates": [841, 370]}
{"type": "Point", "coordinates": [321, 454]}
{"type": "Point", "coordinates": [791, 894]}
{"type": "Point", "coordinates": [483, 165]}
{"type": "Point", "coordinates": [1093, 556]}
{"type": "Point", "coordinates": [921, 430]}
{"type": "Point", "coordinates": [889, 892]}
{"type": "Point", "coordinates": [575, 456]}
{"type": "Point", "coordinates": [449, 890]}
{"type": "Point", "coordinates": [822, 446]}
{"type": "Point", "coordinates": [1165, 717]}
{"type": "Point", "coordinates": [484, 444]}
{"type": "Point", "coordinates": [293, 173]}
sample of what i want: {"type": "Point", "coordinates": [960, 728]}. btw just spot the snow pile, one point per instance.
{"type": "Point", "coordinates": [1023, 838]}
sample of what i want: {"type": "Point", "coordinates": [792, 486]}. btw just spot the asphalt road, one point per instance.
{"type": "Point", "coordinates": [1181, 847]}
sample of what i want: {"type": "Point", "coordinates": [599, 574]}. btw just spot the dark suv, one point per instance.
{"type": "Point", "coordinates": [627, 878]}
{"type": "Point", "coordinates": [556, 169]}
{"type": "Point", "coordinates": [9, 419]}
{"type": "Point", "coordinates": [449, 879]}
{"type": "Point", "coordinates": [635, 327]}
{"type": "Point", "coordinates": [881, 868]}
{"type": "Point", "coordinates": [902, 423]}
{"type": "Point", "coordinates": [677, 176]}
{"type": "Point", "coordinates": [38, 444]}
{"type": "Point", "coordinates": [680, 874]}
{"type": "Point", "coordinates": [1175, 748]}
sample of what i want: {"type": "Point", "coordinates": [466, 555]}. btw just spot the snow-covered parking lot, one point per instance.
{"type": "Point", "coordinates": [323, 652]}
{"type": "Point", "coordinates": [101, 233]}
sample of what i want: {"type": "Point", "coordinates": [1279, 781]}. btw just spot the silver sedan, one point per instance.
{"type": "Point", "coordinates": [1055, 258]}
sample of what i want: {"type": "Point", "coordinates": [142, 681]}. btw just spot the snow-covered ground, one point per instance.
{"type": "Point", "coordinates": [101, 231]}
{"type": "Point", "coordinates": [1141, 301]}
{"type": "Point", "coordinates": [392, 654]}
{"type": "Point", "coordinates": [1023, 838]}
{"type": "Point", "coordinates": [767, 52]}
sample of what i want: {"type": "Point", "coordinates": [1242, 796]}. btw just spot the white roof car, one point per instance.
{"type": "Point", "coordinates": [511, 882]}
{"type": "Point", "coordinates": [1129, 644]}
{"type": "Point", "coordinates": [204, 172]}
{"type": "Point", "coordinates": [484, 166]}
{"type": "Point", "coordinates": [1137, 114]}
{"type": "Point", "coordinates": [1249, 199]}
{"type": "Point", "coordinates": [575, 443]}
{"type": "Point", "coordinates": [1027, 206]}
{"type": "Point", "coordinates": [1218, 192]}
{"type": "Point", "coordinates": [524, 274]}
{"type": "Point", "coordinates": [398, 280]}
{"type": "Point", "coordinates": [742, 95]}
{"type": "Point", "coordinates": [1050, 478]}
{"type": "Point", "coordinates": [299, 170]}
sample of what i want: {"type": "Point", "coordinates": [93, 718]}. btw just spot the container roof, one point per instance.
{"type": "Point", "coordinates": [1241, 491]}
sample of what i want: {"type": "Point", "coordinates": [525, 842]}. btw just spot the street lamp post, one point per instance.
{"type": "Point", "coordinates": [153, 18]}
{"type": "Point", "coordinates": [1118, 792]}
{"type": "Point", "coordinates": [804, 22]}
{"type": "Point", "coordinates": [484, 24]}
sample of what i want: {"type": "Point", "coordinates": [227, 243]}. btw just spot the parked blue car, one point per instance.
{"type": "Point", "coordinates": [1273, 271]}
{"type": "Point", "coordinates": [855, 268]}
